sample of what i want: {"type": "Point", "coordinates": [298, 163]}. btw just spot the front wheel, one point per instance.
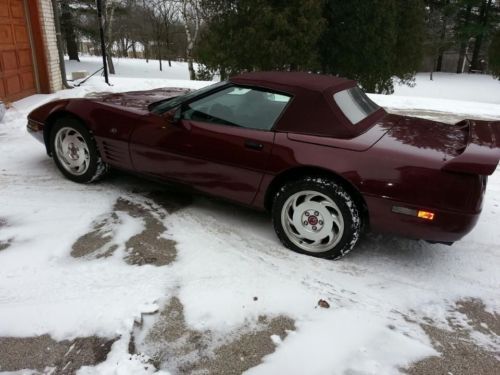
{"type": "Point", "coordinates": [316, 216]}
{"type": "Point", "coordinates": [75, 152]}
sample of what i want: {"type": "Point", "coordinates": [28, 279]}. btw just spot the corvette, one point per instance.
{"type": "Point", "coordinates": [314, 150]}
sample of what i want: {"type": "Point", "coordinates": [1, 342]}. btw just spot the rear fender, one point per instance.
{"type": "Point", "coordinates": [482, 153]}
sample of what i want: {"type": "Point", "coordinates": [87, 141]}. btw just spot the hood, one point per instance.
{"type": "Point", "coordinates": [137, 99]}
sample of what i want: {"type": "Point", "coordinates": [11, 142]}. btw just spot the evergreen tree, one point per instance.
{"type": "Point", "coordinates": [484, 25]}
{"type": "Point", "coordinates": [408, 51]}
{"type": "Point", "coordinates": [68, 29]}
{"type": "Point", "coordinates": [373, 41]}
{"type": "Point", "coordinates": [440, 20]}
{"type": "Point", "coordinates": [475, 25]}
{"type": "Point", "coordinates": [246, 35]}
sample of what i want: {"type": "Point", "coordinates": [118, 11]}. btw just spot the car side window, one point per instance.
{"type": "Point", "coordinates": [355, 104]}
{"type": "Point", "coordinates": [238, 106]}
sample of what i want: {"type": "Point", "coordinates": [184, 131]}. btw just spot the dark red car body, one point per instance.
{"type": "Point", "coordinates": [387, 162]}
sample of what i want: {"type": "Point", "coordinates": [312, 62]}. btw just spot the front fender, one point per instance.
{"type": "Point", "coordinates": [42, 115]}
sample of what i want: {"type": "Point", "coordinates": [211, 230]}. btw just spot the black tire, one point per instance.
{"type": "Point", "coordinates": [96, 169]}
{"type": "Point", "coordinates": [347, 208]}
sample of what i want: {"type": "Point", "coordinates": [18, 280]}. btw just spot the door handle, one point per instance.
{"type": "Point", "coordinates": [254, 145]}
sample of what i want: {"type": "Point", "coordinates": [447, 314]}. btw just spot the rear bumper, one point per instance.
{"type": "Point", "coordinates": [35, 128]}
{"type": "Point", "coordinates": [447, 226]}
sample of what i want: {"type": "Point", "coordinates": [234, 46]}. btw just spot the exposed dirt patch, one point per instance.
{"type": "Point", "coordinates": [42, 352]}
{"type": "Point", "coordinates": [478, 318]}
{"type": "Point", "coordinates": [147, 247]}
{"type": "Point", "coordinates": [171, 343]}
{"type": "Point", "coordinates": [459, 353]}
{"type": "Point", "coordinates": [178, 349]}
{"type": "Point", "coordinates": [4, 244]}
{"type": "Point", "coordinates": [248, 349]}
{"type": "Point", "coordinates": [97, 242]}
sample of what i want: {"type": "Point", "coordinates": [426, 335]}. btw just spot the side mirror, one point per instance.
{"type": "Point", "coordinates": [173, 117]}
{"type": "Point", "coordinates": [177, 114]}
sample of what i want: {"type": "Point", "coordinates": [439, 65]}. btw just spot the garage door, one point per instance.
{"type": "Point", "coordinates": [17, 78]}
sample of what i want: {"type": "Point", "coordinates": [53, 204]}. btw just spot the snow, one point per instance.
{"type": "Point", "coordinates": [132, 68]}
{"type": "Point", "coordinates": [356, 337]}
{"type": "Point", "coordinates": [119, 362]}
{"type": "Point", "coordinates": [468, 87]}
{"type": "Point", "coordinates": [228, 254]}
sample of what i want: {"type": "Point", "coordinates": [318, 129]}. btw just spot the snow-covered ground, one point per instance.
{"type": "Point", "coordinates": [229, 268]}
{"type": "Point", "coordinates": [132, 68]}
{"type": "Point", "coordinates": [469, 87]}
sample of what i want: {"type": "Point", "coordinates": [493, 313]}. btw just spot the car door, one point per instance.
{"type": "Point", "coordinates": [219, 143]}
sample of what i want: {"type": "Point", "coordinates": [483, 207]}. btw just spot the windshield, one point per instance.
{"type": "Point", "coordinates": [355, 104]}
{"type": "Point", "coordinates": [167, 104]}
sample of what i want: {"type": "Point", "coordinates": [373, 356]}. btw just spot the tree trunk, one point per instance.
{"type": "Point", "coordinates": [192, 72]}
{"type": "Point", "coordinates": [461, 57]}
{"type": "Point", "coordinates": [111, 66]}
{"type": "Point", "coordinates": [439, 63]}
{"type": "Point", "coordinates": [123, 51]}
{"type": "Point", "coordinates": [134, 51]}
{"type": "Point", "coordinates": [167, 42]}
{"type": "Point", "coordinates": [463, 44]}
{"type": "Point", "coordinates": [442, 40]}
{"type": "Point", "coordinates": [475, 62]}
{"type": "Point", "coordinates": [434, 63]}
{"type": "Point", "coordinates": [158, 48]}
{"type": "Point", "coordinates": [109, 48]}
{"type": "Point", "coordinates": [68, 31]}
{"type": "Point", "coordinates": [190, 38]}
{"type": "Point", "coordinates": [483, 20]}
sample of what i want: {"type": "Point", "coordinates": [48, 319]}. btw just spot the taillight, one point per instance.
{"type": "Point", "coordinates": [427, 215]}
{"type": "Point", "coordinates": [422, 214]}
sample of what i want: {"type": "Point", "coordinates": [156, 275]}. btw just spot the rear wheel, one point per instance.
{"type": "Point", "coordinates": [316, 216]}
{"type": "Point", "coordinates": [75, 152]}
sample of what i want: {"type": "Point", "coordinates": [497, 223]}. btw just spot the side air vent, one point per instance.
{"type": "Point", "coordinates": [114, 152]}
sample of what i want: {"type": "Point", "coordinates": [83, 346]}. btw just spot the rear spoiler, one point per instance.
{"type": "Point", "coordinates": [482, 153]}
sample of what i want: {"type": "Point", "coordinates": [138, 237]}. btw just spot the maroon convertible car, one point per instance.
{"type": "Point", "coordinates": [314, 150]}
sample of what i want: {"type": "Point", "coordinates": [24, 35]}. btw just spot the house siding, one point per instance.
{"type": "Point", "coordinates": [50, 43]}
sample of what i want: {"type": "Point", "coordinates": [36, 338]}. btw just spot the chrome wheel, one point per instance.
{"type": "Point", "coordinates": [72, 151]}
{"type": "Point", "coordinates": [312, 221]}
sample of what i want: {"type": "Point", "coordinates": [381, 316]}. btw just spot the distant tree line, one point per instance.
{"type": "Point", "coordinates": [163, 30]}
{"type": "Point", "coordinates": [371, 41]}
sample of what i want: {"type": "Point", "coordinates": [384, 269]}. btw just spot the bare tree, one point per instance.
{"type": "Point", "coordinates": [109, 14]}
{"type": "Point", "coordinates": [191, 16]}
{"type": "Point", "coordinates": [163, 16]}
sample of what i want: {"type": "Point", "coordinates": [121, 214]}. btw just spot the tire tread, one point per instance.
{"type": "Point", "coordinates": [339, 195]}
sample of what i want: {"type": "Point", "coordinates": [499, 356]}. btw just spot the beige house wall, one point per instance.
{"type": "Point", "coordinates": [50, 44]}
